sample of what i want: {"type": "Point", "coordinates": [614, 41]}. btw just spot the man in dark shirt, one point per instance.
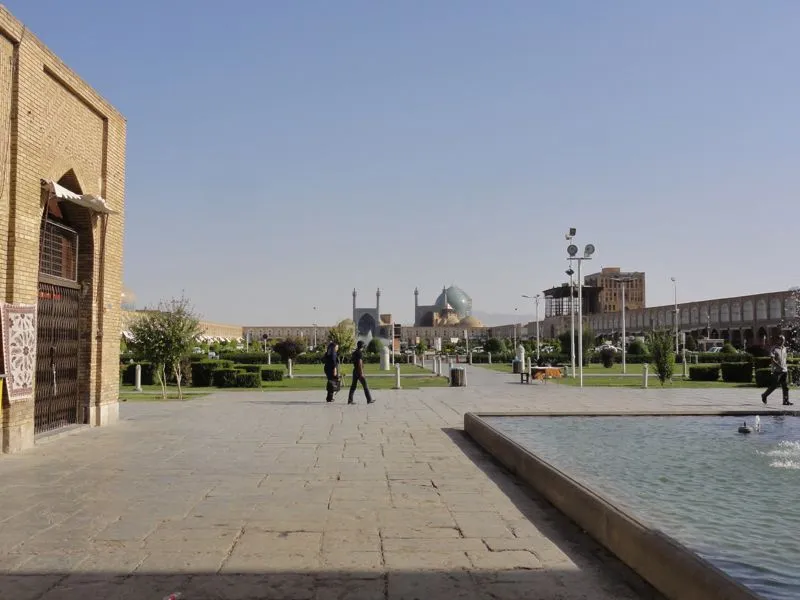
{"type": "Point", "coordinates": [358, 375]}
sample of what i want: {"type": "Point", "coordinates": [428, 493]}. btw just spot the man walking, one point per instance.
{"type": "Point", "coordinates": [780, 371]}
{"type": "Point", "coordinates": [358, 375]}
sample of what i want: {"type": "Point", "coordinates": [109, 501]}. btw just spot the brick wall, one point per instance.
{"type": "Point", "coordinates": [53, 124]}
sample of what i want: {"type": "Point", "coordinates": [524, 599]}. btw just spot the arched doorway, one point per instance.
{"type": "Point", "coordinates": [366, 324]}
{"type": "Point", "coordinates": [66, 251]}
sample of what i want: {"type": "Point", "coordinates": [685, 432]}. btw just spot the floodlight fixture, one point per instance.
{"type": "Point", "coordinates": [572, 250]}
{"type": "Point", "coordinates": [588, 250]}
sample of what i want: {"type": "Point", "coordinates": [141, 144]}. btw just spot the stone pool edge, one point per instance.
{"type": "Point", "coordinates": [669, 566]}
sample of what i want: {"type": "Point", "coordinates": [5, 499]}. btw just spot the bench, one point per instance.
{"type": "Point", "coordinates": [540, 373]}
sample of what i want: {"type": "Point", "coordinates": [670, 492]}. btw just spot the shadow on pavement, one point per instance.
{"type": "Point", "coordinates": [306, 585]}
{"type": "Point", "coordinates": [571, 540]}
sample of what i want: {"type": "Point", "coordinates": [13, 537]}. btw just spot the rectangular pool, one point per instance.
{"type": "Point", "coordinates": [732, 498]}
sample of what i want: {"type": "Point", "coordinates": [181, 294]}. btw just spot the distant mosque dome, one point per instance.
{"type": "Point", "coordinates": [470, 321]}
{"type": "Point", "coordinates": [128, 300]}
{"type": "Point", "coordinates": [454, 298]}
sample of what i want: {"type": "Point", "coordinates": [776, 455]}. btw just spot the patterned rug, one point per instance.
{"type": "Point", "coordinates": [19, 348]}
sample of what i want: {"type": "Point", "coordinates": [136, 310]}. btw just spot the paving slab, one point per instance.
{"type": "Point", "coordinates": [246, 495]}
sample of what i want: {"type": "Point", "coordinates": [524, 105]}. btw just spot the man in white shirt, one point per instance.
{"type": "Point", "coordinates": [780, 371]}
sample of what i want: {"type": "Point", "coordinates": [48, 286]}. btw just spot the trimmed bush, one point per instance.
{"type": "Point", "coordinates": [271, 374]}
{"type": "Point", "coordinates": [245, 358]}
{"type": "Point", "coordinates": [202, 372]}
{"type": "Point", "coordinates": [704, 372]}
{"type": "Point", "coordinates": [607, 356]}
{"type": "Point", "coordinates": [764, 377]}
{"type": "Point", "coordinates": [225, 378]}
{"type": "Point", "coordinates": [148, 374]}
{"type": "Point", "coordinates": [762, 362]}
{"type": "Point", "coordinates": [248, 368]}
{"type": "Point", "coordinates": [757, 350]}
{"type": "Point", "coordinates": [741, 372]}
{"type": "Point", "coordinates": [194, 358]}
{"type": "Point", "coordinates": [636, 348]}
{"type": "Point", "coordinates": [727, 348]}
{"type": "Point", "coordinates": [248, 380]}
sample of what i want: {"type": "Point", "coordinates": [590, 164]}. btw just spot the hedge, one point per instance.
{"type": "Point", "coordinates": [704, 372]}
{"type": "Point", "coordinates": [203, 372]}
{"type": "Point", "coordinates": [741, 372]}
{"type": "Point", "coordinates": [764, 377]}
{"type": "Point", "coordinates": [248, 380]}
{"type": "Point", "coordinates": [148, 374]}
{"type": "Point", "coordinates": [271, 374]}
{"type": "Point", "coordinates": [248, 368]}
{"type": "Point", "coordinates": [247, 358]}
{"type": "Point", "coordinates": [225, 378]}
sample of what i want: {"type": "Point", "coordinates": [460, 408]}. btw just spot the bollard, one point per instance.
{"type": "Point", "coordinates": [138, 378]}
{"type": "Point", "coordinates": [415, 359]}
{"type": "Point", "coordinates": [269, 358]}
{"type": "Point", "coordinates": [489, 354]}
{"type": "Point", "coordinates": [397, 376]}
{"type": "Point", "coordinates": [465, 376]}
{"type": "Point", "coordinates": [289, 364]}
{"type": "Point", "coordinates": [645, 370]}
{"type": "Point", "coordinates": [470, 357]}
{"type": "Point", "coordinates": [439, 366]}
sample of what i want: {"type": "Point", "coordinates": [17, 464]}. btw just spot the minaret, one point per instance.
{"type": "Point", "coordinates": [354, 304]}
{"type": "Point", "coordinates": [378, 303]}
{"type": "Point", "coordinates": [416, 305]}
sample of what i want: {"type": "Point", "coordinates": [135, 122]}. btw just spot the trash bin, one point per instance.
{"type": "Point", "coordinates": [457, 377]}
{"type": "Point", "coordinates": [516, 367]}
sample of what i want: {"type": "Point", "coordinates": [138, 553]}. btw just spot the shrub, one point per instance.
{"type": "Point", "coordinates": [727, 348]}
{"type": "Point", "coordinates": [271, 374]}
{"type": "Point", "coordinates": [202, 372]}
{"type": "Point", "coordinates": [290, 348]}
{"type": "Point", "coordinates": [248, 368]}
{"type": "Point", "coordinates": [607, 356]}
{"type": "Point", "coordinates": [764, 377]}
{"type": "Point", "coordinates": [148, 374]}
{"type": "Point", "coordinates": [194, 358]}
{"type": "Point", "coordinates": [704, 372]}
{"type": "Point", "coordinates": [495, 346]}
{"type": "Point", "coordinates": [636, 348]}
{"type": "Point", "coordinates": [248, 380]}
{"type": "Point", "coordinates": [757, 350]}
{"type": "Point", "coordinates": [375, 346]}
{"type": "Point", "coordinates": [663, 353]}
{"type": "Point", "coordinates": [245, 358]}
{"type": "Point", "coordinates": [762, 362]}
{"type": "Point", "coordinates": [741, 372]}
{"type": "Point", "coordinates": [225, 378]}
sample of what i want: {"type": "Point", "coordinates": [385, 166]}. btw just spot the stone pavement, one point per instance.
{"type": "Point", "coordinates": [249, 495]}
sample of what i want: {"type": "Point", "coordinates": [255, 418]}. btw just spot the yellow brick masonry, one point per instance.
{"type": "Point", "coordinates": [52, 122]}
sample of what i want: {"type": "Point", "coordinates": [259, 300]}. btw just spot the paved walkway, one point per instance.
{"type": "Point", "coordinates": [277, 495]}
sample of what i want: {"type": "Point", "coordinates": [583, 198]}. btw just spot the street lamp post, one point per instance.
{"type": "Point", "coordinates": [537, 297]}
{"type": "Point", "coordinates": [315, 327]}
{"type": "Point", "coordinates": [572, 251]}
{"type": "Point", "coordinates": [623, 281]}
{"type": "Point", "coordinates": [571, 273]}
{"type": "Point", "coordinates": [675, 292]}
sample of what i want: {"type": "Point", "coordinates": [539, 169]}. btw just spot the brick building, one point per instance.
{"type": "Point", "coordinates": [610, 281]}
{"type": "Point", "coordinates": [62, 178]}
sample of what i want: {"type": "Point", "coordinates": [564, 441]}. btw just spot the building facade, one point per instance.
{"type": "Point", "coordinates": [610, 280]}
{"type": "Point", "coordinates": [741, 320]}
{"type": "Point", "coordinates": [62, 182]}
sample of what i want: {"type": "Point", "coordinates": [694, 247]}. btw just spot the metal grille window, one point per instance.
{"type": "Point", "coordinates": [59, 251]}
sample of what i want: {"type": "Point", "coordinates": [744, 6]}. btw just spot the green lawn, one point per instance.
{"type": "Point", "coordinates": [153, 392]}
{"type": "Point", "coordinates": [596, 375]}
{"type": "Point", "coordinates": [369, 369]}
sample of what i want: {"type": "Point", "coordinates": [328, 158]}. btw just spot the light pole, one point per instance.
{"type": "Point", "coordinates": [675, 292]}
{"type": "Point", "coordinates": [572, 251]}
{"type": "Point", "coordinates": [515, 329]}
{"type": "Point", "coordinates": [537, 297]}
{"type": "Point", "coordinates": [571, 273]}
{"type": "Point", "coordinates": [623, 281]}
{"type": "Point", "coordinates": [315, 327]}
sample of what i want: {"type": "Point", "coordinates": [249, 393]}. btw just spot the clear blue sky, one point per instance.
{"type": "Point", "coordinates": [282, 153]}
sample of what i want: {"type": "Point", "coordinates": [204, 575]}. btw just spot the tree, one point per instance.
{"type": "Point", "coordinates": [422, 347]}
{"type": "Point", "coordinates": [588, 342]}
{"type": "Point", "coordinates": [375, 346]}
{"type": "Point", "coordinates": [290, 348]}
{"type": "Point", "coordinates": [637, 348]}
{"type": "Point", "coordinates": [607, 356]}
{"type": "Point", "coordinates": [165, 337]}
{"type": "Point", "coordinates": [662, 350]}
{"type": "Point", "coordinates": [344, 334]}
{"type": "Point", "coordinates": [495, 346]}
